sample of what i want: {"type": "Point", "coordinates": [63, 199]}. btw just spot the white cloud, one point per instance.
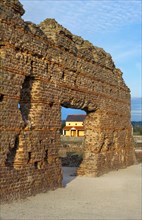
{"type": "Point", "coordinates": [85, 15]}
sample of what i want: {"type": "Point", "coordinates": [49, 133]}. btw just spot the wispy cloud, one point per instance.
{"type": "Point", "coordinates": [86, 15]}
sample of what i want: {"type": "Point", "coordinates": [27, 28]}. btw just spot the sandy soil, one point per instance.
{"type": "Point", "coordinates": [116, 195]}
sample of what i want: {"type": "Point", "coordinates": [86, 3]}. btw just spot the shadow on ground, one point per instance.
{"type": "Point", "coordinates": [69, 174]}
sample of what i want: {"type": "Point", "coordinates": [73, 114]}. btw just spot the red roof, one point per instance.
{"type": "Point", "coordinates": [74, 127]}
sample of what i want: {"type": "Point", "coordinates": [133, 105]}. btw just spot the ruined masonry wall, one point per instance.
{"type": "Point", "coordinates": [43, 68]}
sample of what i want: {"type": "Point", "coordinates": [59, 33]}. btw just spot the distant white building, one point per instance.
{"type": "Point", "coordinates": [74, 126]}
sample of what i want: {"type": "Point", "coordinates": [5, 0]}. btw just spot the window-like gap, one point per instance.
{"type": "Point", "coordinates": [25, 98]}
{"type": "Point", "coordinates": [52, 140]}
{"type": "Point", "coordinates": [37, 165]}
{"type": "Point", "coordinates": [29, 156]}
{"type": "Point", "coordinates": [12, 153]}
{"type": "Point", "coordinates": [18, 105]}
{"type": "Point", "coordinates": [46, 156]}
{"type": "Point", "coordinates": [1, 97]}
{"type": "Point", "coordinates": [63, 75]}
{"type": "Point", "coordinates": [51, 104]}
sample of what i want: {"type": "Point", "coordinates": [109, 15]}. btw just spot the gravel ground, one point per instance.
{"type": "Point", "coordinates": [116, 195]}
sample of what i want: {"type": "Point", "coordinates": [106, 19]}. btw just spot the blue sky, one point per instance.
{"type": "Point", "coordinates": [114, 25]}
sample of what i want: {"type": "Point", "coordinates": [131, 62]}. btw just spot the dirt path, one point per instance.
{"type": "Point", "coordinates": [116, 195]}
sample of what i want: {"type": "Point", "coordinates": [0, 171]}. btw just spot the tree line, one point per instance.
{"type": "Point", "coordinates": [137, 127]}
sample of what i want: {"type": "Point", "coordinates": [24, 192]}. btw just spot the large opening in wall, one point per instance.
{"type": "Point", "coordinates": [72, 141]}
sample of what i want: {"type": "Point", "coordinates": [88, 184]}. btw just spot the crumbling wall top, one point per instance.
{"type": "Point", "coordinates": [13, 5]}
{"type": "Point", "coordinates": [75, 44]}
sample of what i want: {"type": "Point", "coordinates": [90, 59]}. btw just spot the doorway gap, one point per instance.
{"type": "Point", "coordinates": [72, 141]}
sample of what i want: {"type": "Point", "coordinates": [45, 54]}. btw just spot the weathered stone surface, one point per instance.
{"type": "Point", "coordinates": [44, 67]}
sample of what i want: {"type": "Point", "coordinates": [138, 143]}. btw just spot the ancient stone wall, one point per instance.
{"type": "Point", "coordinates": [43, 68]}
